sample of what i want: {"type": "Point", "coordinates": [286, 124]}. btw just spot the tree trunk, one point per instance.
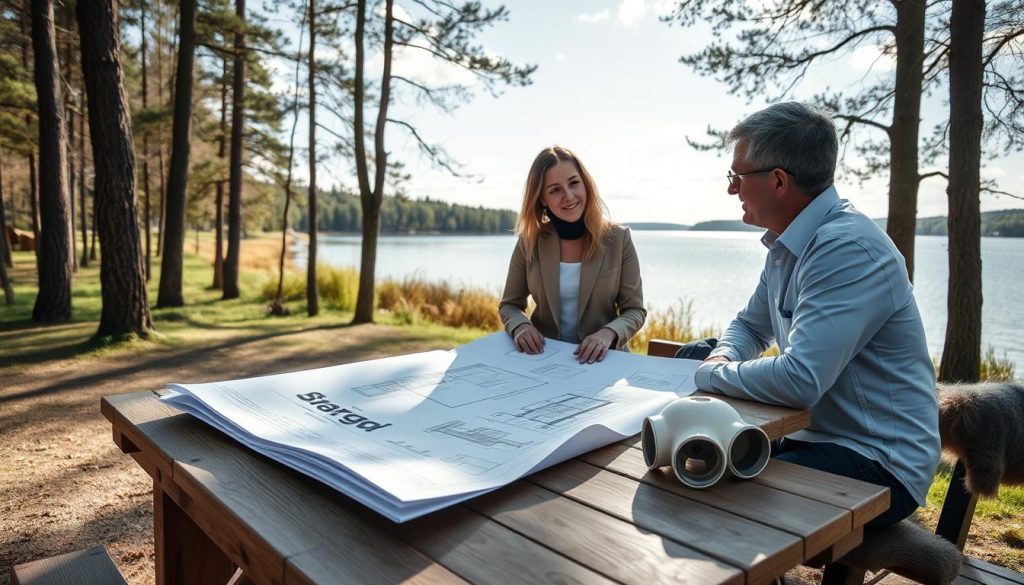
{"type": "Point", "coordinates": [53, 303]}
{"type": "Point", "coordinates": [370, 199]}
{"type": "Point", "coordinates": [163, 197]}
{"type": "Point", "coordinates": [33, 200]}
{"type": "Point", "coordinates": [961, 351]}
{"type": "Point", "coordinates": [312, 293]}
{"type": "Point", "coordinates": [71, 189]}
{"type": "Point", "coordinates": [69, 66]}
{"type": "Point", "coordinates": [92, 246]}
{"type": "Point", "coordinates": [147, 213]}
{"type": "Point", "coordinates": [218, 251]}
{"type": "Point", "coordinates": [33, 187]}
{"type": "Point", "coordinates": [171, 265]}
{"type": "Point", "coordinates": [161, 171]}
{"type": "Point", "coordinates": [903, 133]}
{"type": "Point", "coordinates": [122, 277]}
{"type": "Point", "coordinates": [235, 172]}
{"type": "Point", "coordinates": [81, 183]}
{"type": "Point", "coordinates": [5, 251]}
{"type": "Point", "coordinates": [5, 244]}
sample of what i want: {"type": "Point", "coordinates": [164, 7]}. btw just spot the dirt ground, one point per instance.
{"type": "Point", "coordinates": [64, 486]}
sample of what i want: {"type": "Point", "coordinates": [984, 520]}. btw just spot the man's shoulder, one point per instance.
{"type": "Point", "coordinates": [847, 225]}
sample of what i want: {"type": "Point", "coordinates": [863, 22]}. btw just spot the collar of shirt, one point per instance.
{"type": "Point", "coordinates": [804, 225]}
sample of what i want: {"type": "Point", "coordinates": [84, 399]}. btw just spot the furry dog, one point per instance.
{"type": "Point", "coordinates": [983, 426]}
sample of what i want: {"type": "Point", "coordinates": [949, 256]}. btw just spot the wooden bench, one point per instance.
{"type": "Point", "coordinates": [91, 565]}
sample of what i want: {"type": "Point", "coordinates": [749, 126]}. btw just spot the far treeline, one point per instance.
{"type": "Point", "coordinates": [340, 212]}
{"type": "Point", "coordinates": [1006, 223]}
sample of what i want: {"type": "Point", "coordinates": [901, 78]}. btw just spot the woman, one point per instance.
{"type": "Point", "coordinates": [580, 269]}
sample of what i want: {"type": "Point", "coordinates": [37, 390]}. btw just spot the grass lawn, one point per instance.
{"type": "Point", "coordinates": [205, 319]}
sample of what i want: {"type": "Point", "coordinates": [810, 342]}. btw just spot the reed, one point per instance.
{"type": "Point", "coordinates": [413, 299]}
{"type": "Point", "coordinates": [337, 287]}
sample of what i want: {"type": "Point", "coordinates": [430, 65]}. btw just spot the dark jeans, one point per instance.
{"type": "Point", "coordinates": [828, 456]}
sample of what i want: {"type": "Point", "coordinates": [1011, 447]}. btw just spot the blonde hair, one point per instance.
{"type": "Point", "coordinates": [531, 216]}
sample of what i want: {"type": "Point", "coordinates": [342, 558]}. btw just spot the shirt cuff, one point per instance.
{"type": "Point", "coordinates": [702, 377]}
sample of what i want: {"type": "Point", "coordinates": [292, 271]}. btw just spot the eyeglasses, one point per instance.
{"type": "Point", "coordinates": [736, 178]}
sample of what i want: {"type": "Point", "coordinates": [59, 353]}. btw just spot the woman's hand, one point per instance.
{"type": "Point", "coordinates": [527, 339]}
{"type": "Point", "coordinates": [595, 346]}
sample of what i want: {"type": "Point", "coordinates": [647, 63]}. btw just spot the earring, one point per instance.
{"type": "Point", "coordinates": [544, 218]}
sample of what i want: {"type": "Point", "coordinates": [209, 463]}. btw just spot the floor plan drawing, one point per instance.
{"type": "Point", "coordinates": [553, 414]}
{"type": "Point", "coordinates": [469, 464]}
{"type": "Point", "coordinates": [557, 372]}
{"type": "Point", "coordinates": [548, 352]}
{"type": "Point", "coordinates": [408, 447]}
{"type": "Point", "coordinates": [456, 387]}
{"type": "Point", "coordinates": [655, 381]}
{"type": "Point", "coordinates": [482, 436]}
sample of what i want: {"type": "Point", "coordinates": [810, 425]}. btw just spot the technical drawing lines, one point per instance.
{"type": "Point", "coordinates": [534, 357]}
{"type": "Point", "coordinates": [456, 387]}
{"type": "Point", "coordinates": [469, 464]}
{"type": "Point", "coordinates": [654, 381]}
{"type": "Point", "coordinates": [557, 372]}
{"type": "Point", "coordinates": [553, 413]}
{"type": "Point", "coordinates": [483, 436]}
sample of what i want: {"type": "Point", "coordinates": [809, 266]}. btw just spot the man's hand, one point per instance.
{"type": "Point", "coordinates": [595, 346]}
{"type": "Point", "coordinates": [527, 339]}
{"type": "Point", "coordinates": [716, 359]}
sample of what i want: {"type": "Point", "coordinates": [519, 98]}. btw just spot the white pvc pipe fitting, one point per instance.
{"type": "Point", "coordinates": [701, 437]}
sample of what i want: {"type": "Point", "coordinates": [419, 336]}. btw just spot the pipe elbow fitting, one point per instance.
{"type": "Point", "coordinates": [702, 437]}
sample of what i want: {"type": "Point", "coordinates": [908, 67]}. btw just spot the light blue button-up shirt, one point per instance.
{"type": "Point", "coordinates": [834, 295]}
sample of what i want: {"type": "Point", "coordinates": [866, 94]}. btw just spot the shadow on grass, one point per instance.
{"type": "Point", "coordinates": [204, 354]}
{"type": "Point", "coordinates": [55, 342]}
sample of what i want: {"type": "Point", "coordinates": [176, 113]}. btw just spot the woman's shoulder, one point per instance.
{"type": "Point", "coordinates": [616, 233]}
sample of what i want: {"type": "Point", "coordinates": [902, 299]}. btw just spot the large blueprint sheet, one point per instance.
{"type": "Point", "coordinates": [411, 434]}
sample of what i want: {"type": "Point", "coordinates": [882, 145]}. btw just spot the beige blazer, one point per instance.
{"type": "Point", "coordinates": [611, 294]}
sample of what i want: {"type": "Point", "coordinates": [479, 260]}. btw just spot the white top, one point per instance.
{"type": "Point", "coordinates": [568, 300]}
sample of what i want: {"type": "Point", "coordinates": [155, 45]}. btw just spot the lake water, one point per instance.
{"type": "Point", "coordinates": [716, 270]}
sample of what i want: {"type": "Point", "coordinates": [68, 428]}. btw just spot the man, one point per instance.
{"type": "Point", "coordinates": [835, 296]}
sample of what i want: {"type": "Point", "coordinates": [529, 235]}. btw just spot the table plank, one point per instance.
{"type": "Point", "coordinates": [483, 551]}
{"type": "Point", "coordinates": [762, 552]}
{"type": "Point", "coordinates": [247, 503]}
{"type": "Point", "coordinates": [865, 500]}
{"type": "Point", "coordinates": [610, 546]}
{"type": "Point", "coordinates": [816, 523]}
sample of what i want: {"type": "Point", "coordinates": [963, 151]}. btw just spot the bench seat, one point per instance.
{"type": "Point", "coordinates": [975, 571]}
{"type": "Point", "coordinates": [91, 565]}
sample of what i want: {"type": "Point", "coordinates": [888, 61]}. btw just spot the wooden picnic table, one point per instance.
{"type": "Point", "coordinates": [599, 518]}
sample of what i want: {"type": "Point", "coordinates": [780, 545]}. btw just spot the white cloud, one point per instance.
{"type": "Point", "coordinates": [595, 17]}
{"type": "Point", "coordinates": [631, 11]}
{"type": "Point", "coordinates": [421, 66]}
{"type": "Point", "coordinates": [870, 58]}
{"type": "Point", "coordinates": [561, 58]}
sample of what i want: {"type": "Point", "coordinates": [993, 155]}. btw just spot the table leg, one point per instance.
{"type": "Point", "coordinates": [184, 553]}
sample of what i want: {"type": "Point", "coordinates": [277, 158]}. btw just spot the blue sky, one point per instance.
{"type": "Point", "coordinates": [610, 87]}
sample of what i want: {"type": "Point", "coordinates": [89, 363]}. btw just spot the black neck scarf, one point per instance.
{"type": "Point", "coordinates": [567, 230]}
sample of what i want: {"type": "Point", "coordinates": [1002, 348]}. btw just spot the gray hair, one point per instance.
{"type": "Point", "coordinates": [796, 137]}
